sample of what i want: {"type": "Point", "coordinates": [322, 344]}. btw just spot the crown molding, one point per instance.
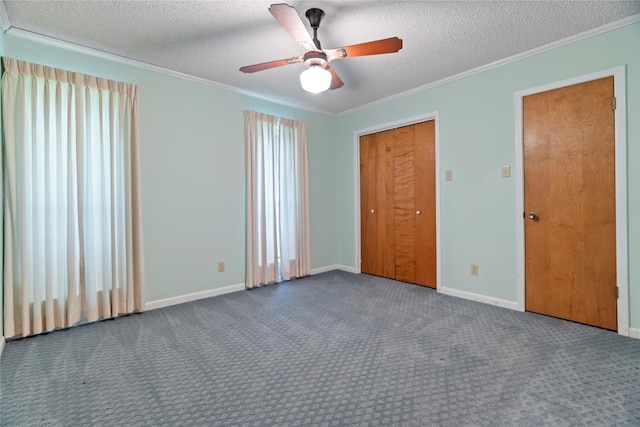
{"type": "Point", "coordinates": [535, 51]}
{"type": "Point", "coordinates": [73, 47]}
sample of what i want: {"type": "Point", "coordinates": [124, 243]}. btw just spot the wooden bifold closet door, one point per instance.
{"type": "Point", "coordinates": [397, 204]}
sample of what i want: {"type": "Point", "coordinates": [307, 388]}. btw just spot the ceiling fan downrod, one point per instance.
{"type": "Point", "coordinates": [314, 16]}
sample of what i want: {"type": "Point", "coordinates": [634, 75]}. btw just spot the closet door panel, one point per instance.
{"type": "Point", "coordinates": [404, 201]}
{"type": "Point", "coordinates": [425, 190]}
{"type": "Point", "coordinates": [385, 195]}
{"type": "Point", "coordinates": [377, 234]}
{"type": "Point", "coordinates": [368, 223]}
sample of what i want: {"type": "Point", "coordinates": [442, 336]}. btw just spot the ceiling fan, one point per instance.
{"type": "Point", "coordinates": [318, 76]}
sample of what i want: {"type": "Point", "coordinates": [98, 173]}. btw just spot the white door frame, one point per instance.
{"type": "Point", "coordinates": [356, 188]}
{"type": "Point", "coordinates": [620, 120]}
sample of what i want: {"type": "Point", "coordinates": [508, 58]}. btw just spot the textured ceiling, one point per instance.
{"type": "Point", "coordinates": [212, 39]}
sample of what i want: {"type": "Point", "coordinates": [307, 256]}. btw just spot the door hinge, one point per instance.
{"type": "Point", "coordinates": [617, 292]}
{"type": "Point", "coordinates": [614, 103]}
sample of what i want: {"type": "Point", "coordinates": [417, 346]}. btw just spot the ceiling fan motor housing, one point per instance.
{"type": "Point", "coordinates": [315, 58]}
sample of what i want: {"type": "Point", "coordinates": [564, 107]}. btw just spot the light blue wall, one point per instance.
{"type": "Point", "coordinates": [192, 162]}
{"type": "Point", "coordinates": [477, 128]}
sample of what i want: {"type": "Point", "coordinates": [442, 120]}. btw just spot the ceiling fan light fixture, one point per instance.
{"type": "Point", "coordinates": [315, 79]}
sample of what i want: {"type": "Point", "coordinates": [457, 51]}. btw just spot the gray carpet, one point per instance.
{"type": "Point", "coordinates": [334, 349]}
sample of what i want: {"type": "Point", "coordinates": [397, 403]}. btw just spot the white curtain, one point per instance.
{"type": "Point", "coordinates": [72, 220]}
{"type": "Point", "coordinates": [277, 199]}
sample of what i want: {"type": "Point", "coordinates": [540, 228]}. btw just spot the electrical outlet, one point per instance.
{"type": "Point", "coordinates": [474, 269]}
{"type": "Point", "coordinates": [221, 266]}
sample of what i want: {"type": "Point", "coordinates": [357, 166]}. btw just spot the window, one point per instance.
{"type": "Point", "coordinates": [277, 199]}
{"type": "Point", "coordinates": [72, 248]}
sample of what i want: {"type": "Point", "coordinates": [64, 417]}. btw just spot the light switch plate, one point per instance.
{"type": "Point", "coordinates": [448, 175]}
{"type": "Point", "coordinates": [506, 171]}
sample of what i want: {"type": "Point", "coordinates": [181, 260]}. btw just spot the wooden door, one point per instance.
{"type": "Point", "coordinates": [414, 197]}
{"type": "Point", "coordinates": [397, 204]}
{"type": "Point", "coordinates": [569, 189]}
{"type": "Point", "coordinates": [425, 172]}
{"type": "Point", "coordinates": [377, 239]}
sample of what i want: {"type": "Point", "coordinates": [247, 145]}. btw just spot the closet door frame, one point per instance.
{"type": "Point", "coordinates": [356, 190]}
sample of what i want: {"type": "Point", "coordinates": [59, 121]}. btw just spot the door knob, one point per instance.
{"type": "Point", "coordinates": [533, 216]}
{"type": "Point", "coordinates": [373, 211]}
{"type": "Point", "coordinates": [418, 212]}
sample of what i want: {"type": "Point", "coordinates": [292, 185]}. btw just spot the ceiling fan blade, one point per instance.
{"type": "Point", "coordinates": [336, 82]}
{"type": "Point", "coordinates": [288, 17]}
{"type": "Point", "coordinates": [376, 47]}
{"type": "Point", "coordinates": [271, 64]}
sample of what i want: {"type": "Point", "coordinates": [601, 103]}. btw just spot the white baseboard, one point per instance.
{"type": "Point", "coordinates": [511, 305]}
{"type": "Point", "coordinates": [333, 267]}
{"type": "Point", "coordinates": [346, 268]}
{"type": "Point", "coordinates": [152, 305]}
{"type": "Point", "coordinates": [1, 345]}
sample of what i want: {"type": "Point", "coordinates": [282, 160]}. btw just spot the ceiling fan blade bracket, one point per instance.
{"type": "Point", "coordinates": [306, 46]}
{"type": "Point", "coordinates": [294, 60]}
{"type": "Point", "coordinates": [336, 54]}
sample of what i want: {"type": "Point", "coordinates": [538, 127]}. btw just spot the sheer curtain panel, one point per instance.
{"type": "Point", "coordinates": [71, 217]}
{"type": "Point", "coordinates": [277, 199]}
